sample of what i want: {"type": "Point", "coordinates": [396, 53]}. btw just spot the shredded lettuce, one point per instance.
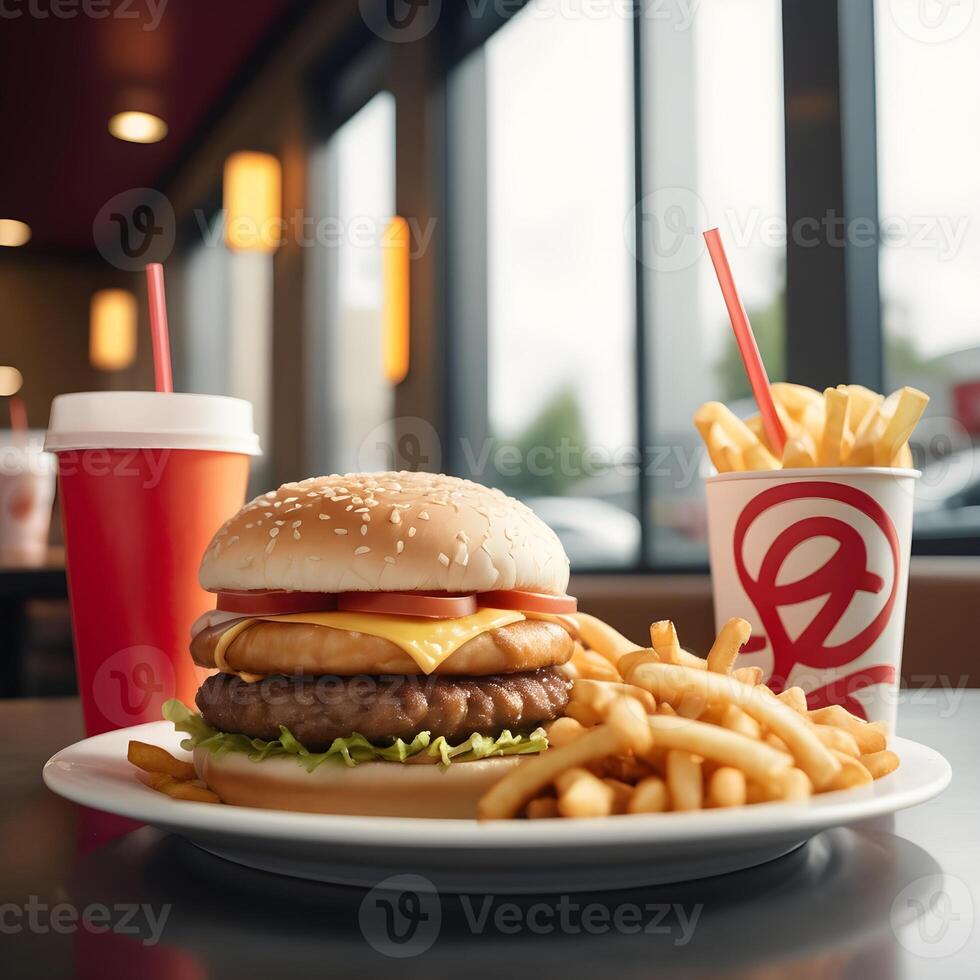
{"type": "Point", "coordinates": [350, 751]}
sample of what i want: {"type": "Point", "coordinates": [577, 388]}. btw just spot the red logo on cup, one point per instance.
{"type": "Point", "coordinates": [840, 579]}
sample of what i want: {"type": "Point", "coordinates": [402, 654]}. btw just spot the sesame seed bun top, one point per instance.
{"type": "Point", "coordinates": [390, 532]}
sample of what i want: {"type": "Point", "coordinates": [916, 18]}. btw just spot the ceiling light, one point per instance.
{"type": "Point", "coordinates": [10, 380]}
{"type": "Point", "coordinates": [13, 232]}
{"type": "Point", "coordinates": [112, 329]}
{"type": "Point", "coordinates": [137, 127]}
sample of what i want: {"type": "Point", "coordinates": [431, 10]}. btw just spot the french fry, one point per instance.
{"type": "Point", "coordinates": [911, 403]}
{"type": "Point", "coordinates": [663, 639]}
{"type": "Point", "coordinates": [722, 452]}
{"type": "Point", "coordinates": [724, 746]}
{"type": "Point", "coordinates": [863, 401]}
{"type": "Point", "coordinates": [597, 694]}
{"type": "Point", "coordinates": [837, 738]}
{"type": "Point", "coordinates": [580, 794]}
{"type": "Point", "coordinates": [726, 787]}
{"type": "Point", "coordinates": [869, 737]}
{"type": "Point", "coordinates": [650, 796]}
{"type": "Point", "coordinates": [591, 665]}
{"type": "Point", "coordinates": [684, 780]}
{"type": "Point", "coordinates": [508, 797]}
{"type": "Point", "coordinates": [731, 639]}
{"type": "Point", "coordinates": [755, 455]}
{"type": "Point", "coordinates": [736, 720]}
{"type": "Point", "coordinates": [585, 716]}
{"type": "Point", "coordinates": [564, 730]}
{"type": "Point", "coordinates": [182, 789]}
{"type": "Point", "coordinates": [852, 773]}
{"type": "Point", "coordinates": [796, 455]}
{"type": "Point", "coordinates": [542, 808]}
{"type": "Point", "coordinates": [795, 697]}
{"type": "Point", "coordinates": [668, 683]}
{"type": "Point", "coordinates": [880, 763]}
{"type": "Point", "coordinates": [602, 638]}
{"type": "Point", "coordinates": [748, 675]}
{"type": "Point", "coordinates": [151, 758]}
{"type": "Point", "coordinates": [795, 398]}
{"type": "Point", "coordinates": [676, 732]}
{"type": "Point", "coordinates": [831, 451]}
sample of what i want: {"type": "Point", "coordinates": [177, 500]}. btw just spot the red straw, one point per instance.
{"type": "Point", "coordinates": [18, 415]}
{"type": "Point", "coordinates": [159, 331]}
{"type": "Point", "coordinates": [747, 346]}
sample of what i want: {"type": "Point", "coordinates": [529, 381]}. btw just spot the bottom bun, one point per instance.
{"type": "Point", "coordinates": [371, 789]}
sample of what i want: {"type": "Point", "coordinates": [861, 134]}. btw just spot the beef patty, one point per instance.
{"type": "Point", "coordinates": [382, 708]}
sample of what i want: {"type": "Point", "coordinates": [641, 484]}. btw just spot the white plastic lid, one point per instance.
{"type": "Point", "coordinates": [151, 420]}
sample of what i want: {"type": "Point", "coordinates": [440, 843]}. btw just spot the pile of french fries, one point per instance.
{"type": "Point", "coordinates": [168, 774]}
{"type": "Point", "coordinates": [661, 729]}
{"type": "Point", "coordinates": [845, 426]}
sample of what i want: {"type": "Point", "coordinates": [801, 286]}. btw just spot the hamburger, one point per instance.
{"type": "Point", "coordinates": [383, 644]}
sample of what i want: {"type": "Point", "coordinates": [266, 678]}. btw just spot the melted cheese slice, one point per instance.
{"type": "Point", "coordinates": [427, 641]}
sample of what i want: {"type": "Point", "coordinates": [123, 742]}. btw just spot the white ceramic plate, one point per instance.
{"type": "Point", "coordinates": [464, 855]}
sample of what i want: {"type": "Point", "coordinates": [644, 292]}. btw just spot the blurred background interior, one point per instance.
{"type": "Point", "coordinates": [465, 236]}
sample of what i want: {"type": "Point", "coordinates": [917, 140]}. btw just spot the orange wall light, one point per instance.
{"type": "Point", "coordinates": [112, 329]}
{"type": "Point", "coordinates": [395, 303]}
{"type": "Point", "coordinates": [252, 192]}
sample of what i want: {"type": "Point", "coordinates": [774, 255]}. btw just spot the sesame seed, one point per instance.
{"type": "Point", "coordinates": [273, 532]}
{"type": "Point", "coordinates": [297, 523]}
{"type": "Point", "coordinates": [363, 550]}
{"type": "Point", "coordinates": [290, 500]}
{"type": "Point", "coordinates": [247, 526]}
{"type": "Point", "coordinates": [278, 503]}
{"type": "Point", "coordinates": [340, 530]}
{"type": "Point", "coordinates": [411, 532]}
{"type": "Point", "coordinates": [399, 547]}
{"type": "Point", "coordinates": [364, 529]}
{"type": "Point", "coordinates": [389, 560]}
{"type": "Point", "coordinates": [280, 523]}
{"type": "Point", "coordinates": [296, 535]}
{"type": "Point", "coordinates": [444, 559]}
{"type": "Point", "coordinates": [424, 515]}
{"type": "Point", "coordinates": [395, 517]}
{"type": "Point", "coordinates": [324, 517]}
{"type": "Point", "coordinates": [361, 510]}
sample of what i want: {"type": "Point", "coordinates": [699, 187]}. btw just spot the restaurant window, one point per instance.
{"type": "Point", "coordinates": [929, 202]}
{"type": "Point", "coordinates": [353, 202]}
{"type": "Point", "coordinates": [224, 338]}
{"type": "Point", "coordinates": [544, 143]}
{"type": "Point", "coordinates": [712, 118]}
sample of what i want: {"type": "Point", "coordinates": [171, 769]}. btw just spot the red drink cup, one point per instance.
{"type": "Point", "coordinates": [145, 479]}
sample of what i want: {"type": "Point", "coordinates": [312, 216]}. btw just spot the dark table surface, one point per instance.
{"type": "Point", "coordinates": [88, 895]}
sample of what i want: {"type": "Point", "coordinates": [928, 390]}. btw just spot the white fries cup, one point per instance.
{"type": "Point", "coordinates": [817, 560]}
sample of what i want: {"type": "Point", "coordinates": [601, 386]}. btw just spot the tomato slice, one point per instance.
{"type": "Point", "coordinates": [539, 602]}
{"type": "Point", "coordinates": [428, 605]}
{"type": "Point", "coordinates": [274, 602]}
